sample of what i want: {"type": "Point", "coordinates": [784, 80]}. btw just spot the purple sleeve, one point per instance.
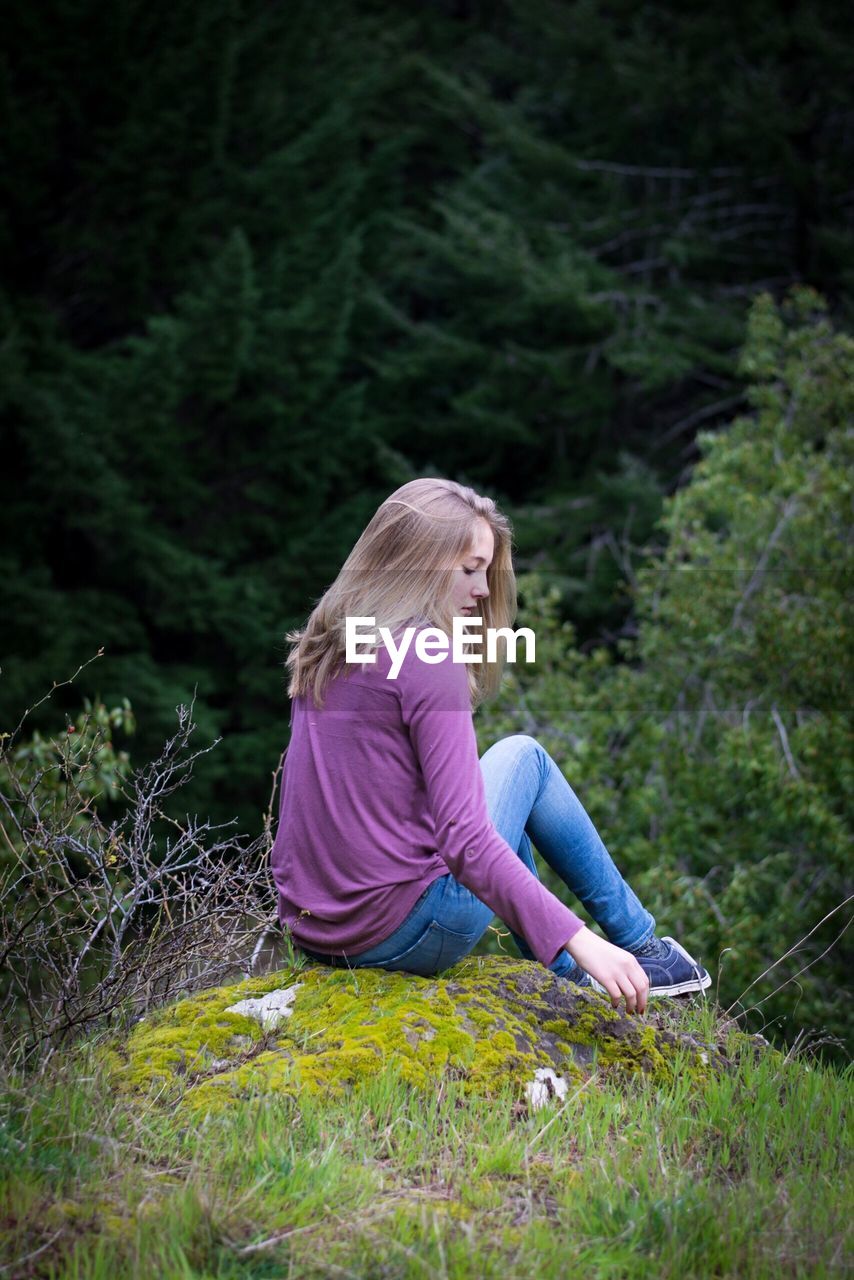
{"type": "Point", "coordinates": [436, 708]}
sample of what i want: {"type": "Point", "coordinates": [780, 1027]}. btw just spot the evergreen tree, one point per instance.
{"type": "Point", "coordinates": [261, 264]}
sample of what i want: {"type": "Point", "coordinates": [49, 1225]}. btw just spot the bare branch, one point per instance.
{"type": "Point", "coordinates": [97, 921]}
{"type": "Point", "coordinates": [781, 729]}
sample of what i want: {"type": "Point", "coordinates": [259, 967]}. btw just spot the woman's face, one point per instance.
{"type": "Point", "coordinates": [469, 586]}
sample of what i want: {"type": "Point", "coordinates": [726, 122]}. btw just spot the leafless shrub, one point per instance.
{"type": "Point", "coordinates": [99, 923]}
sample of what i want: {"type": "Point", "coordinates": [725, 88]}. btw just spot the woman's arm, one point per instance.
{"type": "Point", "coordinates": [617, 970]}
{"type": "Point", "coordinates": [436, 709]}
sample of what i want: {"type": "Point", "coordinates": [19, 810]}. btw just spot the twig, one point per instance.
{"type": "Point", "coordinates": [789, 509]}
{"type": "Point", "coordinates": [57, 684]}
{"type": "Point", "coordinates": [650, 171]}
{"type": "Point", "coordinates": [272, 1241]}
{"type": "Point", "coordinates": [29, 1256]}
{"type": "Point", "coordinates": [800, 971]}
{"type": "Point", "coordinates": [781, 729]}
{"type": "Point", "coordinates": [698, 416]}
{"type": "Point", "coordinates": [93, 918]}
{"type": "Point", "coordinates": [790, 952]}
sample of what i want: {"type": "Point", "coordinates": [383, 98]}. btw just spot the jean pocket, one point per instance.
{"type": "Point", "coordinates": [436, 948]}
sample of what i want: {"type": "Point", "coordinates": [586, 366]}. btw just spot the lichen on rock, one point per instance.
{"type": "Point", "coordinates": [489, 1022]}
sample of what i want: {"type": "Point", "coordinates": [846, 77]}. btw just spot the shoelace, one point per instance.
{"type": "Point", "coordinates": [652, 949]}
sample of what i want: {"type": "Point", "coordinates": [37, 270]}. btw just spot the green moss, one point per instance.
{"type": "Point", "coordinates": [490, 1021]}
{"type": "Point", "coordinates": [94, 1215]}
{"type": "Point", "coordinates": [185, 1039]}
{"type": "Point", "coordinates": [644, 1049]}
{"type": "Point", "coordinates": [453, 1208]}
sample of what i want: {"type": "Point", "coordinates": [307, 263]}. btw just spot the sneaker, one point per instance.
{"type": "Point", "coordinates": [578, 976]}
{"type": "Point", "coordinates": [670, 969]}
{"type": "Point", "coordinates": [581, 978]}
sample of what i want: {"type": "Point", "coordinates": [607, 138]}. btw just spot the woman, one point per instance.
{"type": "Point", "coordinates": [396, 845]}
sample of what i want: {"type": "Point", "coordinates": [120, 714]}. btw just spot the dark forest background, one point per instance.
{"type": "Point", "coordinates": [264, 262]}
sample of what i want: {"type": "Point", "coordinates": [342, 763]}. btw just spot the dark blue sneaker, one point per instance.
{"type": "Point", "coordinates": [670, 969]}
{"type": "Point", "coordinates": [578, 976]}
{"type": "Point", "coordinates": [581, 978]}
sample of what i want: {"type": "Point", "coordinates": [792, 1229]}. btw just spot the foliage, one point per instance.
{"type": "Point", "coordinates": [98, 917]}
{"type": "Point", "coordinates": [83, 760]}
{"type": "Point", "coordinates": [716, 758]}
{"type": "Point", "coordinates": [263, 263]}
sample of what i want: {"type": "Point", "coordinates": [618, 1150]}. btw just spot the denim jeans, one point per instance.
{"type": "Point", "coordinates": [528, 798]}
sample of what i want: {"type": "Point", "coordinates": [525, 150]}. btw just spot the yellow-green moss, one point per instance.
{"type": "Point", "coordinates": [491, 1021]}
{"type": "Point", "coordinates": [95, 1215]}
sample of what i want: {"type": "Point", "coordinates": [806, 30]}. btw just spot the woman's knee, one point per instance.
{"type": "Point", "coordinates": [514, 745]}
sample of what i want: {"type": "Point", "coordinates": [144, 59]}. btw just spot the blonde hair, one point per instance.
{"type": "Point", "coordinates": [398, 573]}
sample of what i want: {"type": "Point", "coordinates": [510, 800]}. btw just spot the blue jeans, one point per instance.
{"type": "Point", "coordinates": [527, 798]}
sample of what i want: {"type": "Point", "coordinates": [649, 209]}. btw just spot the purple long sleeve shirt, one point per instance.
{"type": "Point", "coordinates": [381, 795]}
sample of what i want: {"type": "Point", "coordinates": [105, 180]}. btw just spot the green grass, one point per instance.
{"type": "Point", "coordinates": [746, 1174]}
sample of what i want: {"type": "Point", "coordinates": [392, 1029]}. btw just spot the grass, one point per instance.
{"type": "Point", "coordinates": [745, 1174]}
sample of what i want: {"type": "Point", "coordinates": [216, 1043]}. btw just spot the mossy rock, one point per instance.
{"type": "Point", "coordinates": [490, 1021]}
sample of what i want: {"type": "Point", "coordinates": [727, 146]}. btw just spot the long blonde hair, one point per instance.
{"type": "Point", "coordinates": [397, 574]}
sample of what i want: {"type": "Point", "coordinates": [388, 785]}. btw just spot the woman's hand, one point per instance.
{"type": "Point", "coordinates": [616, 969]}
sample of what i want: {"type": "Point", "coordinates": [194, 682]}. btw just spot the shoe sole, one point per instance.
{"type": "Point", "coordinates": [681, 988]}
{"type": "Point", "coordinates": [690, 984]}
{"type": "Point", "coordinates": [676, 988]}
